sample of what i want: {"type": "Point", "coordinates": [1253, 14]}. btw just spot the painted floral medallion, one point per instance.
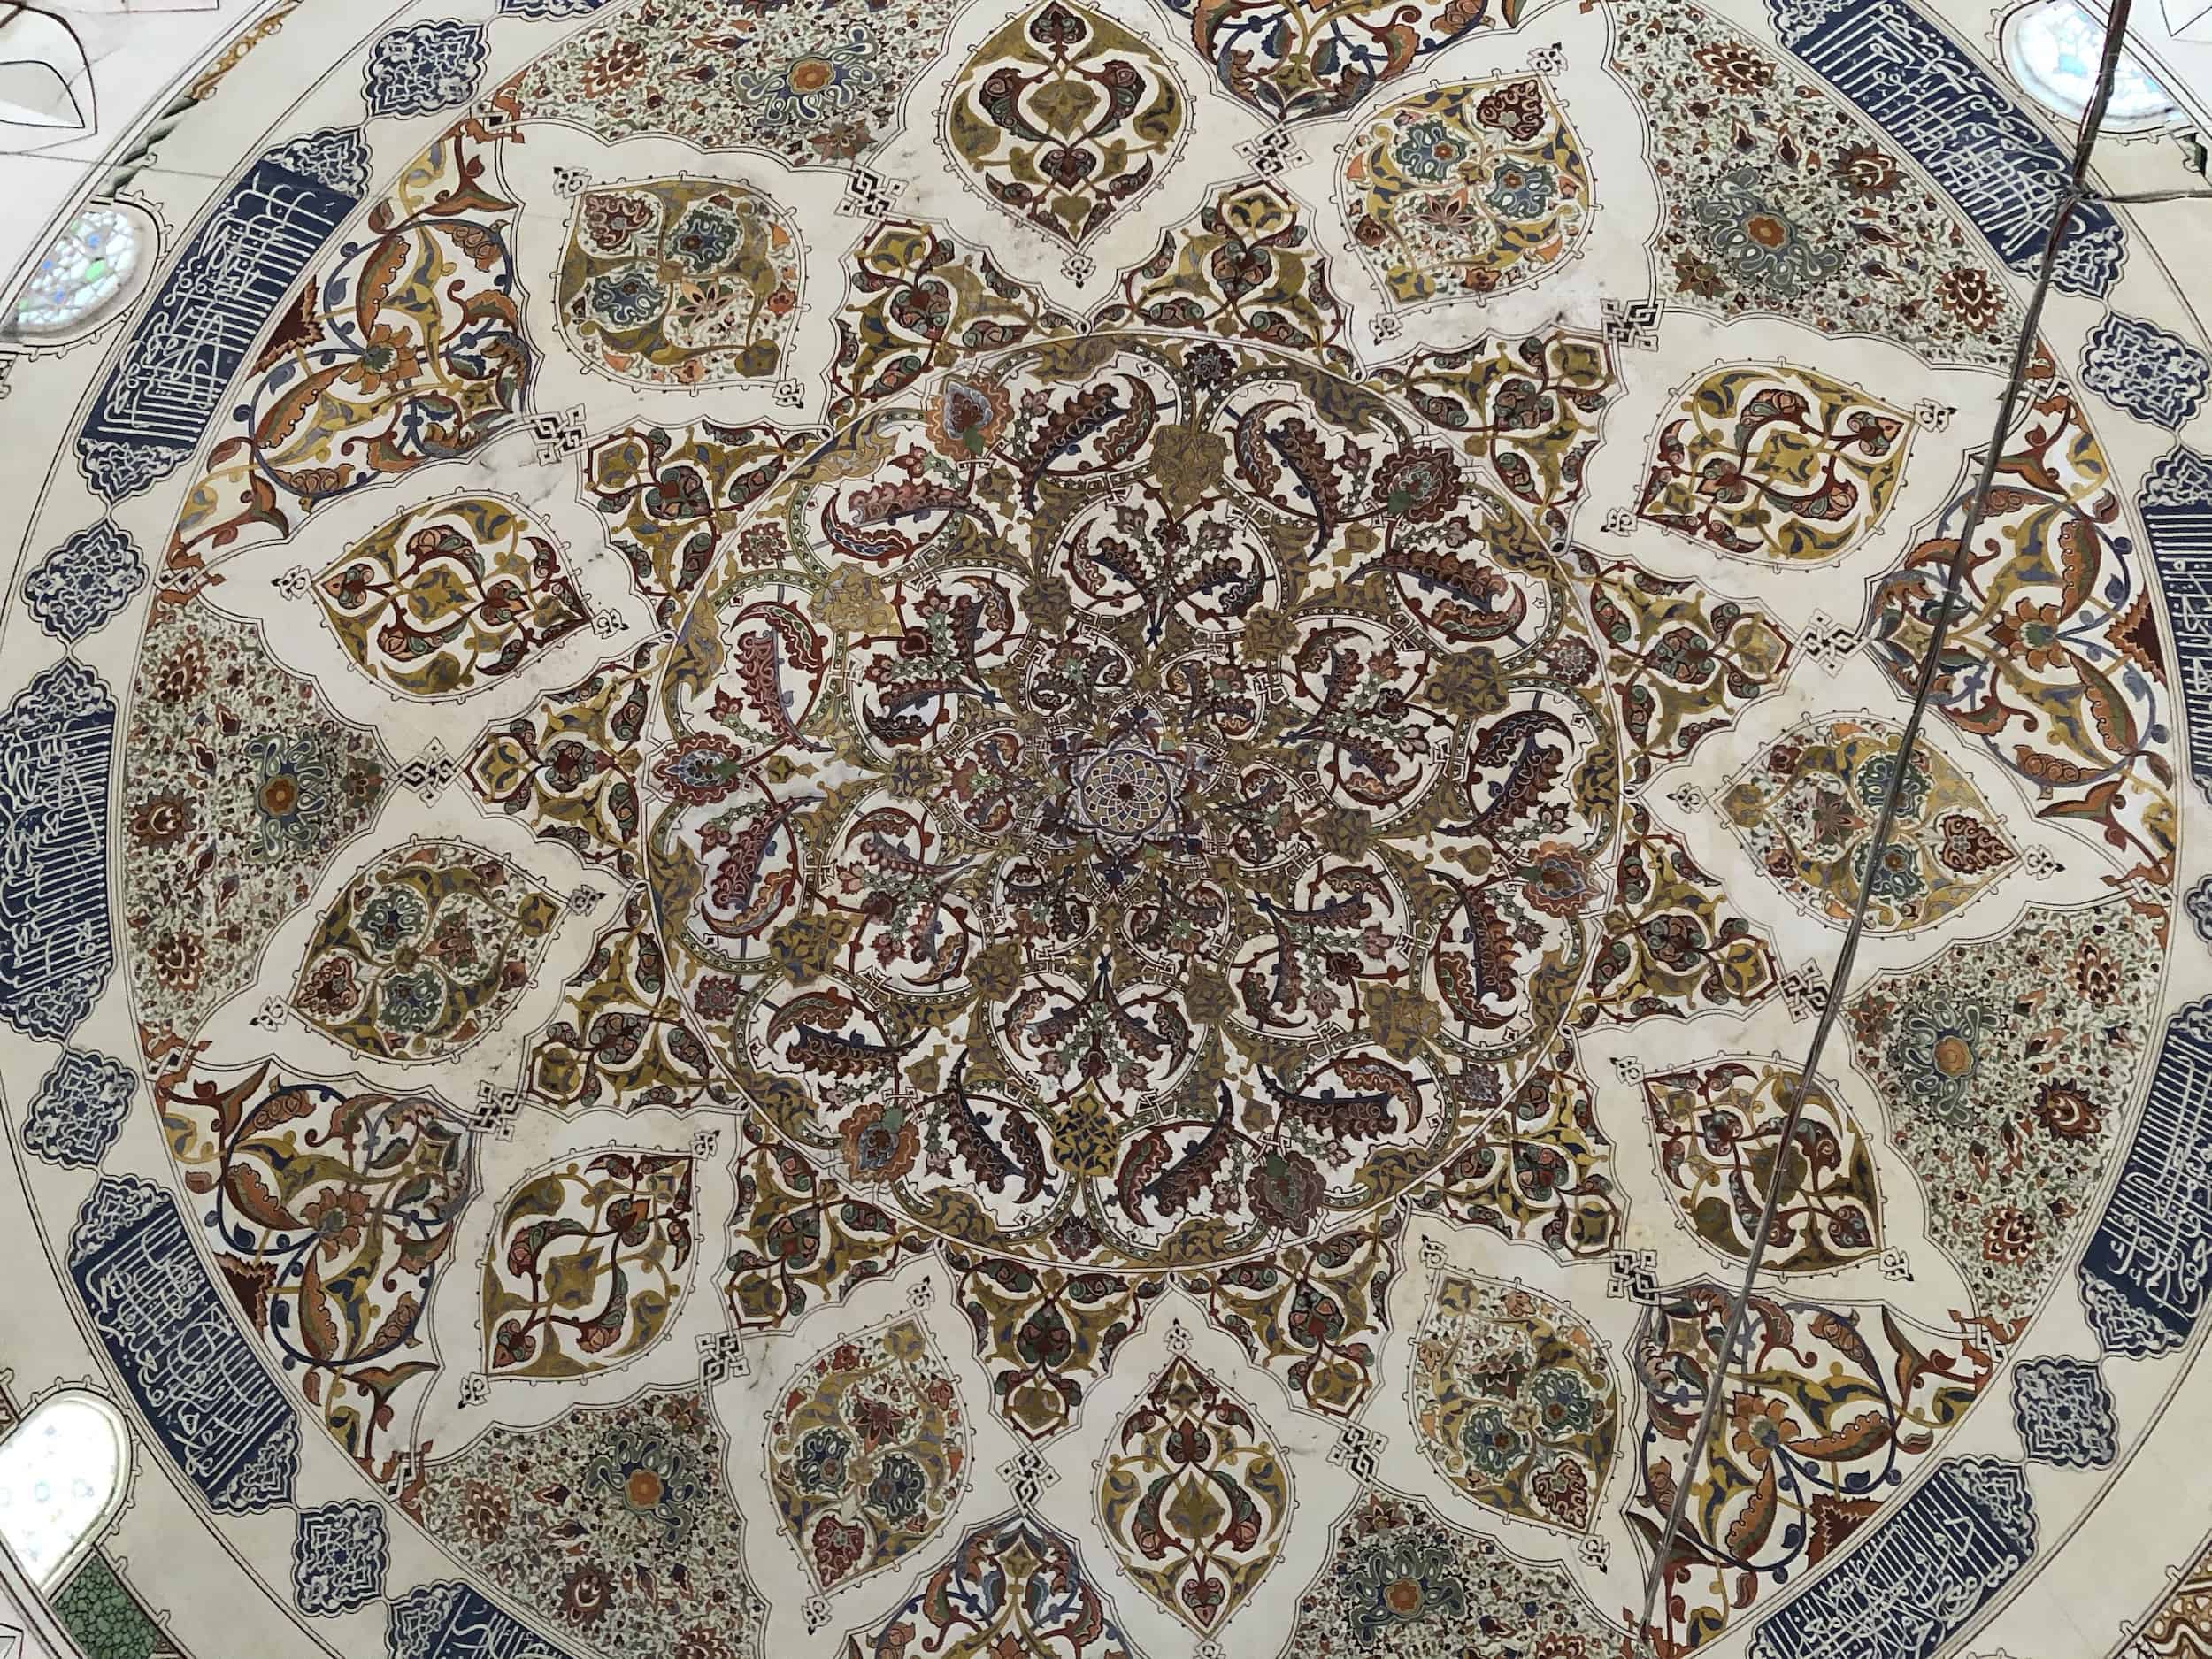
{"type": "Point", "coordinates": [1467, 190]}
{"type": "Point", "coordinates": [1514, 1402]}
{"type": "Point", "coordinates": [1806, 812]}
{"type": "Point", "coordinates": [673, 282]}
{"type": "Point", "coordinates": [1134, 802]}
{"type": "Point", "coordinates": [867, 1453]}
{"type": "Point", "coordinates": [962, 831]}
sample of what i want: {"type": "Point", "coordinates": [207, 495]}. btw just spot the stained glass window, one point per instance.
{"type": "Point", "coordinates": [86, 268]}
{"type": "Point", "coordinates": [61, 1471]}
{"type": "Point", "coordinates": [2053, 48]}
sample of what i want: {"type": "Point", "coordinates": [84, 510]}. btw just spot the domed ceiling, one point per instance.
{"type": "Point", "coordinates": [905, 829]}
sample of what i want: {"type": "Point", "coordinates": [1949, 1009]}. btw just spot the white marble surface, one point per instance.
{"type": "Point", "coordinates": [140, 55]}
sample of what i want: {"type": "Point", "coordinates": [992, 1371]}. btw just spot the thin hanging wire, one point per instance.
{"type": "Point", "coordinates": [2070, 203]}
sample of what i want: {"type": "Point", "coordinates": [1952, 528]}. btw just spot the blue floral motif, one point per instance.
{"type": "Point", "coordinates": [2065, 1413]}
{"type": "Point", "coordinates": [1756, 243]}
{"type": "Point", "coordinates": [1491, 1442]}
{"type": "Point", "coordinates": [423, 67]}
{"type": "Point", "coordinates": [542, 9]}
{"type": "Point", "coordinates": [1564, 1404]}
{"type": "Point", "coordinates": [79, 1109]}
{"type": "Point", "coordinates": [627, 298]}
{"type": "Point", "coordinates": [898, 1489]}
{"type": "Point", "coordinates": [2142, 368]}
{"type": "Point", "coordinates": [705, 237]}
{"type": "Point", "coordinates": [821, 1465]}
{"type": "Point", "coordinates": [1427, 152]}
{"type": "Point", "coordinates": [1403, 1585]}
{"type": "Point", "coordinates": [78, 587]}
{"type": "Point", "coordinates": [1937, 1050]}
{"type": "Point", "coordinates": [339, 1556]}
{"type": "Point", "coordinates": [1518, 190]}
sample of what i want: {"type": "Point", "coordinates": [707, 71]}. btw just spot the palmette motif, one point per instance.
{"type": "Point", "coordinates": [1827, 1410]}
{"type": "Point", "coordinates": [2052, 661]}
{"type": "Point", "coordinates": [404, 351]}
{"type": "Point", "coordinates": [331, 1211]}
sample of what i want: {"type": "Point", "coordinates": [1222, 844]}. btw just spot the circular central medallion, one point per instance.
{"type": "Point", "coordinates": [1136, 800]}
{"type": "Point", "coordinates": [1125, 793]}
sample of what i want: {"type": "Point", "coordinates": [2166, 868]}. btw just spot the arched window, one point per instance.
{"type": "Point", "coordinates": [2053, 48]}
{"type": "Point", "coordinates": [61, 1481]}
{"type": "Point", "coordinates": [99, 262]}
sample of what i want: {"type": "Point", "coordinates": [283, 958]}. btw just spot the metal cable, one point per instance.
{"type": "Point", "coordinates": [1923, 688]}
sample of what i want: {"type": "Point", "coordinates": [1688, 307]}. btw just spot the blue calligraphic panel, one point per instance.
{"type": "Point", "coordinates": [55, 947]}
{"type": "Point", "coordinates": [1954, 121]}
{"type": "Point", "coordinates": [2144, 1275]}
{"type": "Point", "coordinates": [178, 360]}
{"type": "Point", "coordinates": [166, 1327]}
{"type": "Point", "coordinates": [1926, 1570]}
{"type": "Point", "coordinates": [451, 1621]}
{"type": "Point", "coordinates": [2177, 503]}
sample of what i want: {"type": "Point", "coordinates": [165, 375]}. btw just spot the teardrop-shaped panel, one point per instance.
{"type": "Point", "coordinates": [425, 950]}
{"type": "Point", "coordinates": [1513, 1400]}
{"type": "Point", "coordinates": [1065, 119]}
{"type": "Point", "coordinates": [1806, 812]}
{"type": "Point", "coordinates": [1194, 1496]}
{"type": "Point", "coordinates": [867, 1452]}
